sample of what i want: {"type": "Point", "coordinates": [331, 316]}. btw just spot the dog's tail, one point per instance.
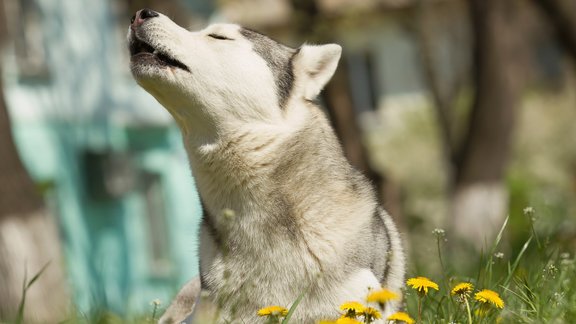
{"type": "Point", "coordinates": [395, 276]}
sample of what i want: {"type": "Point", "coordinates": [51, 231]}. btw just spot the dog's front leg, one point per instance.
{"type": "Point", "coordinates": [183, 305]}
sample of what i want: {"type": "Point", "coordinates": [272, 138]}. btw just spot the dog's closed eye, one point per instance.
{"type": "Point", "coordinates": [220, 37]}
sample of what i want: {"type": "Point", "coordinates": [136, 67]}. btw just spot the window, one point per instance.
{"type": "Point", "coordinates": [26, 29]}
{"type": "Point", "coordinates": [155, 214]}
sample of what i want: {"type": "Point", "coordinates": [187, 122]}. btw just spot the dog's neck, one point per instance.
{"type": "Point", "coordinates": [232, 164]}
{"type": "Point", "coordinates": [255, 173]}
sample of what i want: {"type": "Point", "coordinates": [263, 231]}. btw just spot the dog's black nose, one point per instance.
{"type": "Point", "coordinates": [147, 13]}
{"type": "Point", "coordinates": [142, 15]}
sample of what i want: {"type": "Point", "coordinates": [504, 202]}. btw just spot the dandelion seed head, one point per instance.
{"type": "Point", "coordinates": [438, 232]}
{"type": "Point", "coordinates": [156, 302]}
{"type": "Point", "coordinates": [499, 255]}
{"type": "Point", "coordinates": [550, 271]}
{"type": "Point", "coordinates": [558, 296]}
{"type": "Point", "coordinates": [529, 211]}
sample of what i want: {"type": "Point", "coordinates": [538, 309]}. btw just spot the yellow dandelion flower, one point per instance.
{"type": "Point", "coordinates": [341, 320]}
{"type": "Point", "coordinates": [382, 296]}
{"type": "Point", "coordinates": [353, 307]}
{"type": "Point", "coordinates": [421, 284]}
{"type": "Point", "coordinates": [462, 289]}
{"type": "Point", "coordinates": [371, 314]}
{"type": "Point", "coordinates": [488, 296]}
{"type": "Point", "coordinates": [347, 320]}
{"type": "Point", "coordinates": [401, 317]}
{"type": "Point", "coordinates": [273, 311]}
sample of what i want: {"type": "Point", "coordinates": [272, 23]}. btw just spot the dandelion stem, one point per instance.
{"type": "Point", "coordinates": [444, 273]}
{"type": "Point", "coordinates": [154, 312]}
{"type": "Point", "coordinates": [468, 310]}
{"type": "Point", "coordinates": [440, 257]}
{"type": "Point", "coordinates": [419, 308]}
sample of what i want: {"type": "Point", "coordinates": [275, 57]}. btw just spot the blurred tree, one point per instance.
{"type": "Point", "coordinates": [444, 92]}
{"type": "Point", "coordinates": [28, 234]}
{"type": "Point", "coordinates": [562, 16]}
{"type": "Point", "coordinates": [477, 159]}
{"type": "Point", "coordinates": [480, 199]}
{"type": "Point", "coordinates": [308, 23]}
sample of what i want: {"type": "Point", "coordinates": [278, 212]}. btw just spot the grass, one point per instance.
{"type": "Point", "coordinates": [537, 284]}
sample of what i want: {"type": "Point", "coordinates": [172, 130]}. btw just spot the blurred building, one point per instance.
{"type": "Point", "coordinates": [106, 154]}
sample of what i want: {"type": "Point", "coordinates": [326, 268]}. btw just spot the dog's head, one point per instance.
{"type": "Point", "coordinates": [224, 70]}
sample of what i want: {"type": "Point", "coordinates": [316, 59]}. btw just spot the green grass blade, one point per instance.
{"type": "Point", "coordinates": [490, 255]}
{"type": "Point", "coordinates": [517, 261]}
{"type": "Point", "coordinates": [294, 305]}
{"type": "Point", "coordinates": [20, 316]}
{"type": "Point", "coordinates": [25, 287]}
{"type": "Point", "coordinates": [37, 275]}
{"type": "Point", "coordinates": [499, 236]}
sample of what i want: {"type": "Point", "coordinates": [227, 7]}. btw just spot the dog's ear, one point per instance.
{"type": "Point", "coordinates": [314, 66]}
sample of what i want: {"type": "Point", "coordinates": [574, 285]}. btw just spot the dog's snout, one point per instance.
{"type": "Point", "coordinates": [141, 16]}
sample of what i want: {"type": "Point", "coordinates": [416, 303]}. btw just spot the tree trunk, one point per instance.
{"type": "Point", "coordinates": [28, 236]}
{"type": "Point", "coordinates": [338, 100]}
{"type": "Point", "coordinates": [562, 17]}
{"type": "Point", "coordinates": [480, 197]}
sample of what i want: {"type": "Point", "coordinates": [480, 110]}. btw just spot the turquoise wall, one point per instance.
{"type": "Point", "coordinates": [139, 243]}
{"type": "Point", "coordinates": [107, 242]}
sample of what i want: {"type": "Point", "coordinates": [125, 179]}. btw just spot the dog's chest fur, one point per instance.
{"type": "Point", "coordinates": [261, 224]}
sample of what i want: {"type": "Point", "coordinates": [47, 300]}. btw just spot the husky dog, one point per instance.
{"type": "Point", "coordinates": [285, 215]}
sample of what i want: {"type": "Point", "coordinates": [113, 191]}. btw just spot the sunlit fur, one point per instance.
{"type": "Point", "coordinates": [284, 212]}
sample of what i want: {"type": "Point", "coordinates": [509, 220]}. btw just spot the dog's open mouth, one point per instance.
{"type": "Point", "coordinates": [139, 48]}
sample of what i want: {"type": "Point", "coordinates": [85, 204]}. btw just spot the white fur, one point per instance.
{"type": "Point", "coordinates": [227, 96]}
{"type": "Point", "coordinates": [236, 135]}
